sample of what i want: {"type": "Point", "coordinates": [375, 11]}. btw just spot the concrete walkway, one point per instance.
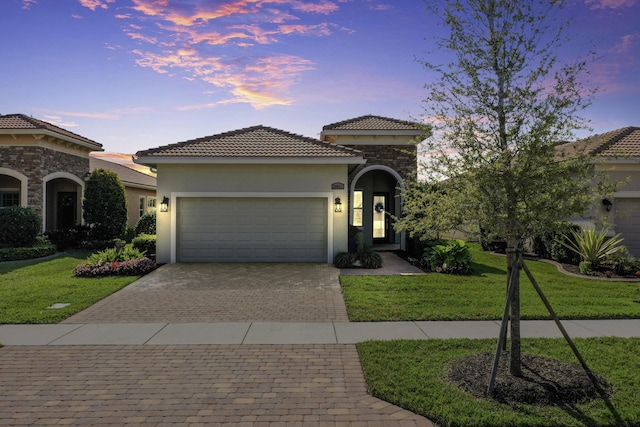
{"type": "Point", "coordinates": [296, 333]}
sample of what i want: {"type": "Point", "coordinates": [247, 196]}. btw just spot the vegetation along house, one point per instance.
{"type": "Point", "coordinates": [43, 166]}
{"type": "Point", "coordinates": [263, 194]}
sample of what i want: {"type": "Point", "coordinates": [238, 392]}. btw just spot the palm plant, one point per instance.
{"type": "Point", "coordinates": [591, 245]}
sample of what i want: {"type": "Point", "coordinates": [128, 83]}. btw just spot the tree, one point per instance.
{"type": "Point", "coordinates": [499, 108]}
{"type": "Point", "coordinates": [105, 205]}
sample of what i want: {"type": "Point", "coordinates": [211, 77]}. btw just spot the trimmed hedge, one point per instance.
{"type": "Point", "coordinates": [18, 254]}
{"type": "Point", "coordinates": [19, 226]}
{"type": "Point", "coordinates": [145, 243]}
{"type": "Point", "coordinates": [146, 224]}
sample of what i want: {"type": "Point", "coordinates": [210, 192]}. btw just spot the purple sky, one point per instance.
{"type": "Point", "coordinates": [136, 74]}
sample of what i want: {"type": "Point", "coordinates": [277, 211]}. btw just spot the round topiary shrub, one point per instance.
{"type": "Point", "coordinates": [19, 226]}
{"type": "Point", "coordinates": [145, 243]}
{"type": "Point", "coordinates": [146, 224]}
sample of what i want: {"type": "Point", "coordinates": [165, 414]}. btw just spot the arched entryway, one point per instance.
{"type": "Point", "coordinates": [376, 194]}
{"type": "Point", "coordinates": [62, 201]}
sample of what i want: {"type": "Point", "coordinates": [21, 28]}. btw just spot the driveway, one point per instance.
{"type": "Point", "coordinates": [217, 292]}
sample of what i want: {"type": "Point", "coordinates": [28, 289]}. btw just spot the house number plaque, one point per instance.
{"type": "Point", "coordinates": [337, 186]}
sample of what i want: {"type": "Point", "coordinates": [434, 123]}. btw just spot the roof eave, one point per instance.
{"type": "Point", "coordinates": [405, 132]}
{"type": "Point", "coordinates": [93, 146]}
{"type": "Point", "coordinates": [154, 161]}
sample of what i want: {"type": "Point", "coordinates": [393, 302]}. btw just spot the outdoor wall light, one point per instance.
{"type": "Point", "coordinates": [338, 205]}
{"type": "Point", "coordinates": [164, 206]}
{"type": "Point", "coordinates": [607, 204]}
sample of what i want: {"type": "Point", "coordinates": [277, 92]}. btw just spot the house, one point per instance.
{"type": "Point", "coordinates": [618, 152]}
{"type": "Point", "coordinates": [43, 166]}
{"type": "Point", "coordinates": [265, 195]}
{"type": "Point", "coordinates": [139, 187]}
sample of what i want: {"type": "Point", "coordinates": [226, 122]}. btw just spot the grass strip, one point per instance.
{"type": "Point", "coordinates": [412, 375]}
{"type": "Point", "coordinates": [27, 288]}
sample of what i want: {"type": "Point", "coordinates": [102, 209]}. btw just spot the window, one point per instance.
{"type": "Point", "coordinates": [9, 198]}
{"type": "Point", "coordinates": [142, 206]}
{"type": "Point", "coordinates": [151, 204]}
{"type": "Point", "coordinates": [357, 208]}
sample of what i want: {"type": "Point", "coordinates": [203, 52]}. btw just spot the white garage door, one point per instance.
{"type": "Point", "coordinates": [251, 230]}
{"type": "Point", "coordinates": [628, 223]}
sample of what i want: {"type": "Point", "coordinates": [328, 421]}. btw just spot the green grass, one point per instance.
{"type": "Point", "coordinates": [27, 288]}
{"type": "Point", "coordinates": [481, 296]}
{"type": "Point", "coordinates": [412, 374]}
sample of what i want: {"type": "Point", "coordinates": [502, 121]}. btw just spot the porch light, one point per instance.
{"type": "Point", "coordinates": [164, 206]}
{"type": "Point", "coordinates": [607, 204]}
{"type": "Point", "coordinates": [338, 205]}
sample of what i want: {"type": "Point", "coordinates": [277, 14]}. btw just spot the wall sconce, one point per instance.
{"type": "Point", "coordinates": [338, 205]}
{"type": "Point", "coordinates": [164, 206]}
{"type": "Point", "coordinates": [607, 204]}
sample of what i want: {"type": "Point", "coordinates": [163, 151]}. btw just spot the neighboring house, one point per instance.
{"type": "Point", "coordinates": [43, 166]}
{"type": "Point", "coordinates": [619, 155]}
{"type": "Point", "coordinates": [140, 188]}
{"type": "Point", "coordinates": [265, 195]}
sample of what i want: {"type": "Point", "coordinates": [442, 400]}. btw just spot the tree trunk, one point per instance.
{"type": "Point", "coordinates": [515, 359]}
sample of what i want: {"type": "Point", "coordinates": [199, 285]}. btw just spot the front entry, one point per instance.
{"type": "Point", "coordinates": [66, 209]}
{"type": "Point", "coordinates": [381, 218]}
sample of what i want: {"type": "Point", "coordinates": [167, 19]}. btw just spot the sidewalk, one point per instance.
{"type": "Point", "coordinates": [285, 333]}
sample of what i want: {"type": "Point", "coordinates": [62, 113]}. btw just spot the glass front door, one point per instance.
{"type": "Point", "coordinates": [380, 217]}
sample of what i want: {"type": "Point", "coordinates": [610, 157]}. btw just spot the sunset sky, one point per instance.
{"type": "Point", "coordinates": [137, 74]}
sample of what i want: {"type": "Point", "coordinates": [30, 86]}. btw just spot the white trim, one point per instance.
{"type": "Point", "coordinates": [396, 175]}
{"type": "Point", "coordinates": [61, 175]}
{"type": "Point", "coordinates": [174, 196]}
{"type": "Point", "coordinates": [95, 146]}
{"type": "Point", "coordinates": [251, 160]}
{"type": "Point", "coordinates": [24, 181]}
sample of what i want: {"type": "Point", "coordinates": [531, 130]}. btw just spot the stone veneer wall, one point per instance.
{"type": "Point", "coordinates": [401, 158]}
{"type": "Point", "coordinates": [38, 162]}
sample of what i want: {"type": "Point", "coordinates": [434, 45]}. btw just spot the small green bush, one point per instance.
{"type": "Point", "coordinates": [586, 267]}
{"type": "Point", "coordinates": [19, 226]}
{"type": "Point", "coordinates": [129, 234]}
{"type": "Point", "coordinates": [146, 224]}
{"type": "Point", "coordinates": [145, 243]}
{"type": "Point", "coordinates": [110, 255]}
{"type": "Point", "coordinates": [69, 238]}
{"type": "Point", "coordinates": [344, 260]}
{"type": "Point", "coordinates": [453, 257]}
{"type": "Point", "coordinates": [41, 248]}
{"type": "Point", "coordinates": [122, 261]}
{"type": "Point", "coordinates": [547, 245]}
{"type": "Point", "coordinates": [369, 259]}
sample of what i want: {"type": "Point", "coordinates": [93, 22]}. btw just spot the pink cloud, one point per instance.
{"type": "Point", "coordinates": [26, 4]}
{"type": "Point", "coordinates": [325, 7]}
{"type": "Point", "coordinates": [627, 43]}
{"type": "Point", "coordinates": [95, 4]}
{"type": "Point", "coordinates": [609, 4]}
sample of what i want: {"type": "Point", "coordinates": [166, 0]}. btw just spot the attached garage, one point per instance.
{"type": "Point", "coordinates": [239, 229]}
{"type": "Point", "coordinates": [627, 220]}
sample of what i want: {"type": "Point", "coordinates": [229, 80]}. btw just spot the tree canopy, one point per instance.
{"type": "Point", "coordinates": [105, 205]}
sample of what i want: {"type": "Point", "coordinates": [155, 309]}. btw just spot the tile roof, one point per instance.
{"type": "Point", "coordinates": [126, 174]}
{"type": "Point", "coordinates": [256, 141]}
{"type": "Point", "coordinates": [623, 142]}
{"type": "Point", "coordinates": [370, 122]}
{"type": "Point", "coordinates": [22, 122]}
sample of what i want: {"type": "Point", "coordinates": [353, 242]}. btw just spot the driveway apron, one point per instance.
{"type": "Point", "coordinates": [201, 385]}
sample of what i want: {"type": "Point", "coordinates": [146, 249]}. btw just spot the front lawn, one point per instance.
{"type": "Point", "coordinates": [27, 288]}
{"type": "Point", "coordinates": [412, 375]}
{"type": "Point", "coordinates": [481, 296]}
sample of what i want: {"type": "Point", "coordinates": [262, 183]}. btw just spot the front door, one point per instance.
{"type": "Point", "coordinates": [380, 218]}
{"type": "Point", "coordinates": [67, 209]}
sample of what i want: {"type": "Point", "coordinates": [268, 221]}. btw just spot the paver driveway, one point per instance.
{"type": "Point", "coordinates": [200, 385]}
{"type": "Point", "coordinates": [225, 293]}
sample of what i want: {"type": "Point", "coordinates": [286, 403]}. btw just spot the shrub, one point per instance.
{"type": "Point", "coordinates": [129, 234]}
{"type": "Point", "coordinates": [145, 243]}
{"type": "Point", "coordinates": [547, 245]}
{"type": "Point", "coordinates": [622, 262]}
{"type": "Point", "coordinates": [69, 238]}
{"type": "Point", "coordinates": [105, 205]}
{"type": "Point", "coordinates": [586, 267]}
{"type": "Point", "coordinates": [591, 245]}
{"type": "Point", "coordinates": [453, 257]}
{"type": "Point", "coordinates": [344, 260]}
{"type": "Point", "coordinates": [124, 261]}
{"type": "Point", "coordinates": [41, 248]}
{"type": "Point", "coordinates": [19, 226]}
{"type": "Point", "coordinates": [369, 259]}
{"type": "Point", "coordinates": [146, 224]}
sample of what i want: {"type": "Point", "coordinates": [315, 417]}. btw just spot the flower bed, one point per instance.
{"type": "Point", "coordinates": [133, 267]}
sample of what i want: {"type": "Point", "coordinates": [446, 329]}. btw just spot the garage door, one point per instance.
{"type": "Point", "coordinates": [251, 230]}
{"type": "Point", "coordinates": [628, 223]}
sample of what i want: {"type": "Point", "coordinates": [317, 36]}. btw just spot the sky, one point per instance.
{"type": "Point", "coordinates": [138, 74]}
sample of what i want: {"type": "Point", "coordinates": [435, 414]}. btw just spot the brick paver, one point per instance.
{"type": "Point", "coordinates": [190, 386]}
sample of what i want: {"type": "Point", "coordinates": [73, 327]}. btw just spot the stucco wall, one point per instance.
{"type": "Point", "coordinates": [173, 179]}
{"type": "Point", "coordinates": [133, 203]}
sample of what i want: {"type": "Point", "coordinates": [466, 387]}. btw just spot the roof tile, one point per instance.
{"type": "Point", "coordinates": [370, 122]}
{"type": "Point", "coordinates": [256, 141]}
{"type": "Point", "coordinates": [624, 142]}
{"type": "Point", "coordinates": [24, 122]}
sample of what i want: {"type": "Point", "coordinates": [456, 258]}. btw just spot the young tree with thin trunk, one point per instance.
{"type": "Point", "coordinates": [499, 108]}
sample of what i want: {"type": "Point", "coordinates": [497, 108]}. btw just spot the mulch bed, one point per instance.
{"type": "Point", "coordinates": [544, 381]}
{"type": "Point", "coordinates": [571, 268]}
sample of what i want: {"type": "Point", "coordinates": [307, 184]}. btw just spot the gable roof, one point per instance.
{"type": "Point", "coordinates": [376, 123]}
{"type": "Point", "coordinates": [624, 142]}
{"type": "Point", "coordinates": [129, 177]}
{"type": "Point", "coordinates": [251, 145]}
{"type": "Point", "coordinates": [23, 124]}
